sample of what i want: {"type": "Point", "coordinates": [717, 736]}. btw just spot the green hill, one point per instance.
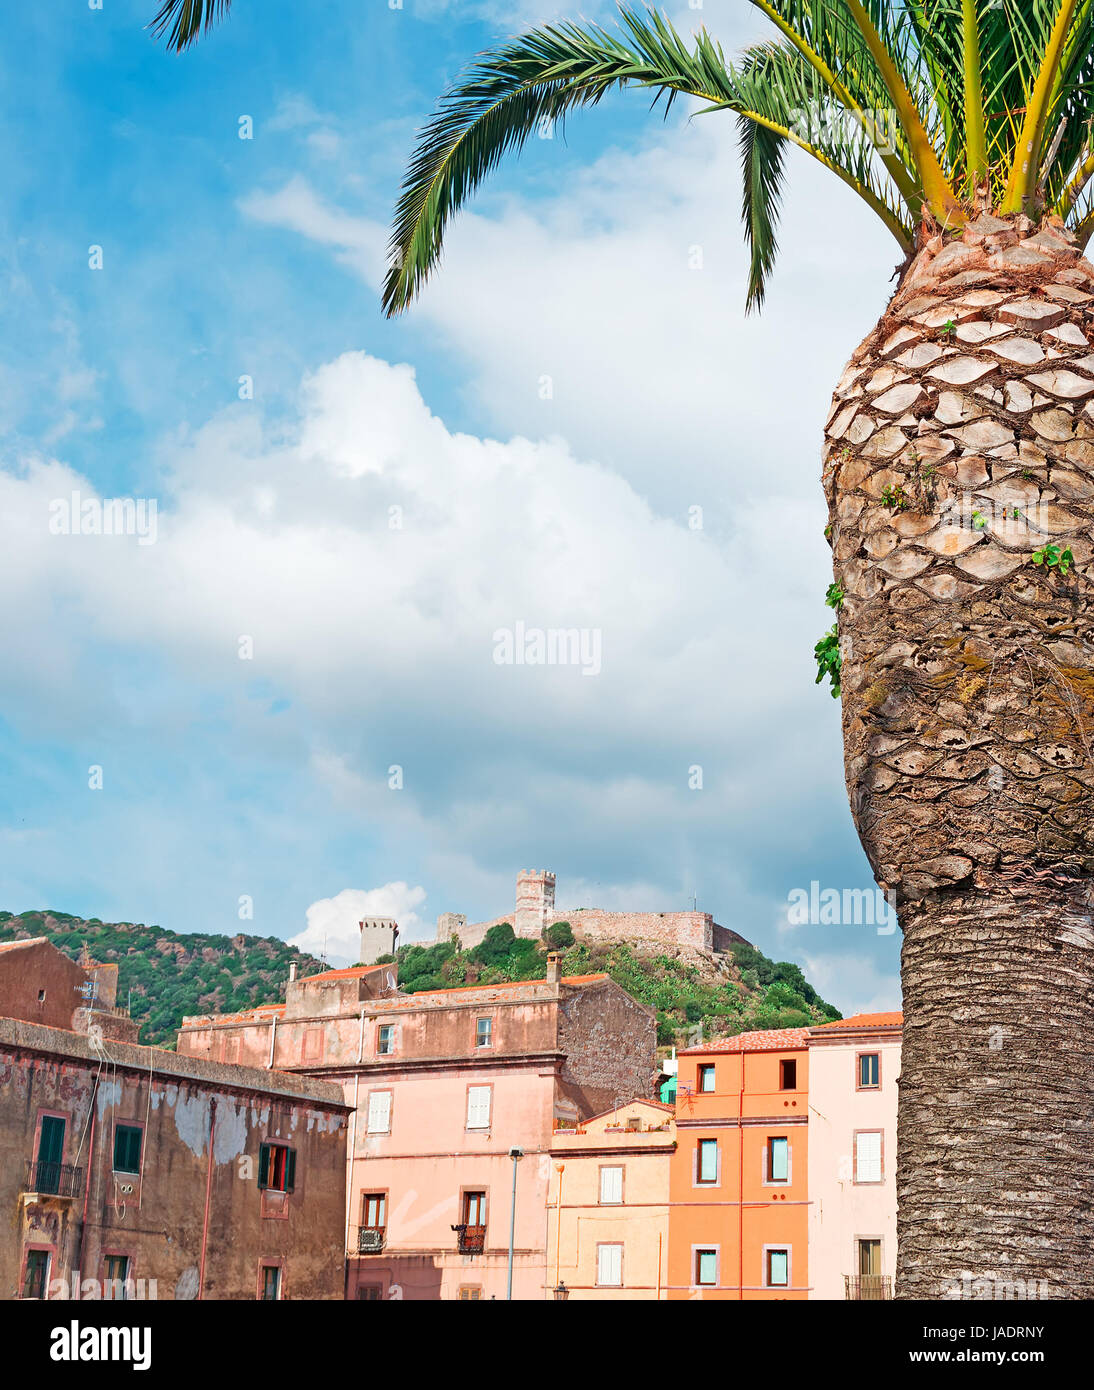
{"type": "Point", "coordinates": [169, 973]}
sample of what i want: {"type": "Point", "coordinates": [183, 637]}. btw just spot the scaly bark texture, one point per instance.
{"type": "Point", "coordinates": [960, 442]}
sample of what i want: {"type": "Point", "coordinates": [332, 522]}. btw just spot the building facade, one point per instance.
{"type": "Point", "coordinates": [739, 1220]}
{"type": "Point", "coordinates": [130, 1172]}
{"type": "Point", "coordinates": [608, 1205]}
{"type": "Point", "coordinates": [854, 1067]}
{"type": "Point", "coordinates": [456, 1095]}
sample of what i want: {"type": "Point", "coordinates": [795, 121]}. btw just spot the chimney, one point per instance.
{"type": "Point", "coordinates": [292, 972]}
{"type": "Point", "coordinates": [554, 967]}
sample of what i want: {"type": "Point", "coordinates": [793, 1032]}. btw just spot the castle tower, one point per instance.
{"type": "Point", "coordinates": [535, 902]}
{"type": "Point", "coordinates": [379, 937]}
{"type": "Point", "coordinates": [451, 924]}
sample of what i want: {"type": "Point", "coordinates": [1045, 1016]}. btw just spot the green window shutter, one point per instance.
{"type": "Point", "coordinates": [127, 1149]}
{"type": "Point", "coordinates": [290, 1169]}
{"type": "Point", "coordinates": [263, 1165]}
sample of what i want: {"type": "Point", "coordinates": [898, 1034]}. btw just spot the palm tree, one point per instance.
{"type": "Point", "coordinates": [959, 471]}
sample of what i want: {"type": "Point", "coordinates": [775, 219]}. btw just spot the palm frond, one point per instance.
{"type": "Point", "coordinates": [541, 77]}
{"type": "Point", "coordinates": [917, 105]}
{"type": "Point", "coordinates": [183, 20]}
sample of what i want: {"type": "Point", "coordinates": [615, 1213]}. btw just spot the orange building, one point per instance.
{"type": "Point", "coordinates": [739, 1222]}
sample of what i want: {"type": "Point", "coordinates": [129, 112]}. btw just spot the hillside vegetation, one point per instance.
{"type": "Point", "coordinates": [748, 990]}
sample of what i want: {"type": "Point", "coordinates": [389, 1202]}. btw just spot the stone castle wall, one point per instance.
{"type": "Point", "coordinates": [695, 929]}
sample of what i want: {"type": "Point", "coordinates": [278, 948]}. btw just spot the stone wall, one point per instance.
{"type": "Point", "coordinates": [610, 1042]}
{"type": "Point", "coordinates": [695, 929]}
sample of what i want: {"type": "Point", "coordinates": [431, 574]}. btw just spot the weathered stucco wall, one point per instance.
{"type": "Point", "coordinates": [195, 1207]}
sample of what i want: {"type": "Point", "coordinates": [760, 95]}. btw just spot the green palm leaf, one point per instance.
{"type": "Point", "coordinates": [546, 74]}
{"type": "Point", "coordinates": [183, 20]}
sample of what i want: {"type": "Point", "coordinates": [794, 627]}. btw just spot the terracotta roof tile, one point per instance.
{"type": "Point", "coordinates": [884, 1020]}
{"type": "Point", "coordinates": [29, 941]}
{"type": "Point", "coordinates": [762, 1040]}
{"type": "Point", "coordinates": [505, 984]}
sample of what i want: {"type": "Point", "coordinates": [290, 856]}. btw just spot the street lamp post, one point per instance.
{"type": "Point", "coordinates": [516, 1155]}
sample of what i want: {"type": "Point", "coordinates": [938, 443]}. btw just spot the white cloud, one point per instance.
{"type": "Point", "coordinates": [332, 930]}
{"type": "Point", "coordinates": [852, 980]}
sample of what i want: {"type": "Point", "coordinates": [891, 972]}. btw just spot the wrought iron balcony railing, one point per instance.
{"type": "Point", "coordinates": [53, 1179]}
{"type": "Point", "coordinates": [470, 1240]}
{"type": "Point", "coordinates": [370, 1239]}
{"type": "Point", "coordinates": [868, 1286]}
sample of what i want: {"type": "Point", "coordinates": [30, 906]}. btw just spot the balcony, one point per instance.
{"type": "Point", "coordinates": [370, 1239]}
{"type": "Point", "coordinates": [470, 1240]}
{"type": "Point", "coordinates": [868, 1286]}
{"type": "Point", "coordinates": [52, 1180]}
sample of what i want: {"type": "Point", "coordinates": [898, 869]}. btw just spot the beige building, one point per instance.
{"type": "Point", "coordinates": [608, 1204]}
{"type": "Point", "coordinates": [854, 1066]}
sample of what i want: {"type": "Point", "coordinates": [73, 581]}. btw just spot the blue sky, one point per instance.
{"type": "Point", "coordinates": [607, 265]}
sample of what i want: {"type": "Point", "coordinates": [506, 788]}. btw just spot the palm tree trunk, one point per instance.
{"type": "Point", "coordinates": [996, 1118]}
{"type": "Point", "coordinates": [960, 449]}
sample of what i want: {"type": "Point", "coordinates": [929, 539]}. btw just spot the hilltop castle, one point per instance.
{"type": "Point", "coordinates": [535, 910]}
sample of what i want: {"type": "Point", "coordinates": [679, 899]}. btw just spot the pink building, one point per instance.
{"type": "Point", "coordinates": [854, 1066]}
{"type": "Point", "coordinates": [445, 1085]}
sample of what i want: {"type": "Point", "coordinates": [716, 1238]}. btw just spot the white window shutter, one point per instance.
{"type": "Point", "coordinates": [379, 1112]}
{"type": "Point", "coordinates": [478, 1107]}
{"type": "Point", "coordinates": [868, 1157]}
{"type": "Point", "coordinates": [611, 1184]}
{"type": "Point", "coordinates": [609, 1264]}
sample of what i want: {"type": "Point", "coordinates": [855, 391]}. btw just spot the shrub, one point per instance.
{"type": "Point", "coordinates": [559, 936]}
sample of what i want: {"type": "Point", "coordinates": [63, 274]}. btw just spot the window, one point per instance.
{"type": "Point", "coordinates": [869, 1257]}
{"type": "Point", "coordinates": [868, 1155]}
{"type": "Point", "coordinates": [115, 1276]}
{"type": "Point", "coordinates": [470, 1293]}
{"type": "Point", "coordinates": [474, 1208]}
{"type": "Point", "coordinates": [778, 1160]}
{"type": "Point", "coordinates": [708, 1161]}
{"type": "Point", "coordinates": [379, 1112]}
{"type": "Point", "coordinates": [788, 1074]}
{"type": "Point", "coordinates": [370, 1293]}
{"type": "Point", "coordinates": [609, 1265]}
{"type": "Point", "coordinates": [869, 1071]}
{"type": "Point", "coordinates": [611, 1185]}
{"type": "Point", "coordinates": [484, 1032]}
{"type": "Point", "coordinates": [374, 1211]}
{"type": "Point", "coordinates": [478, 1107]}
{"type": "Point", "coordinates": [777, 1268]}
{"type": "Point", "coordinates": [127, 1148]}
{"type": "Point", "coordinates": [41, 996]}
{"type": "Point", "coordinates": [276, 1168]}
{"type": "Point", "coordinates": [270, 1283]}
{"type": "Point", "coordinates": [34, 1275]}
{"type": "Point", "coordinates": [385, 1039]}
{"type": "Point", "coordinates": [51, 1149]}
{"type": "Point", "coordinates": [706, 1079]}
{"type": "Point", "coordinates": [706, 1267]}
